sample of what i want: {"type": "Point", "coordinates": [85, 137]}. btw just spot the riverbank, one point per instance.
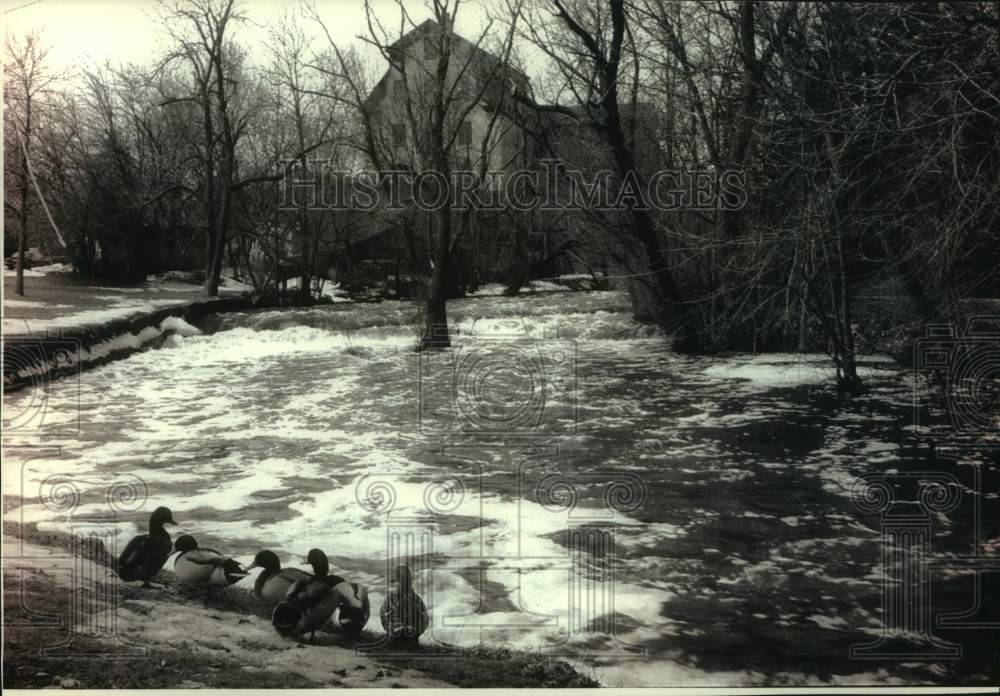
{"type": "Point", "coordinates": [64, 325]}
{"type": "Point", "coordinates": [181, 638]}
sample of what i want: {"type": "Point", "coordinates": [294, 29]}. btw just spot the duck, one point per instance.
{"type": "Point", "coordinates": [274, 582]}
{"type": "Point", "coordinates": [403, 614]}
{"type": "Point", "coordinates": [198, 567]}
{"type": "Point", "coordinates": [355, 609]}
{"type": "Point", "coordinates": [145, 554]}
{"type": "Point", "coordinates": [308, 605]}
{"type": "Point", "coordinates": [321, 568]}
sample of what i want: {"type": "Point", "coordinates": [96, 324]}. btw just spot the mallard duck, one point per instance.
{"type": "Point", "coordinates": [144, 555]}
{"type": "Point", "coordinates": [354, 607]}
{"type": "Point", "coordinates": [403, 614]}
{"type": "Point", "coordinates": [308, 605]}
{"type": "Point", "coordinates": [197, 567]}
{"type": "Point", "coordinates": [274, 582]}
{"type": "Point", "coordinates": [321, 568]}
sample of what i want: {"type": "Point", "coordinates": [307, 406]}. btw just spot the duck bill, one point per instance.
{"type": "Point", "coordinates": [251, 567]}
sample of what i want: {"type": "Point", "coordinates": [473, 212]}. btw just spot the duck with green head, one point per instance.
{"type": "Point", "coordinates": [273, 582]}
{"type": "Point", "coordinates": [352, 597]}
{"type": "Point", "coordinates": [403, 614]}
{"type": "Point", "coordinates": [145, 554]}
{"type": "Point", "coordinates": [198, 567]}
{"type": "Point", "coordinates": [321, 568]}
{"type": "Point", "coordinates": [308, 605]}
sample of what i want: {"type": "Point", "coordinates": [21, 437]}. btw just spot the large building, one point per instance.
{"type": "Point", "coordinates": [478, 97]}
{"type": "Point", "coordinates": [487, 128]}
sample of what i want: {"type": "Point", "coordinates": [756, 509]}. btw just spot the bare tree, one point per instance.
{"type": "Point", "coordinates": [592, 48]}
{"type": "Point", "coordinates": [27, 79]}
{"type": "Point", "coordinates": [442, 79]}
{"type": "Point", "coordinates": [200, 29]}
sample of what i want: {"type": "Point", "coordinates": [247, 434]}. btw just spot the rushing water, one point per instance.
{"type": "Point", "coordinates": [561, 480]}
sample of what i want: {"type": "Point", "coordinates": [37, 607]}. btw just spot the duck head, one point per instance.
{"type": "Point", "coordinates": [160, 517]}
{"type": "Point", "coordinates": [317, 559]}
{"type": "Point", "coordinates": [185, 543]}
{"type": "Point", "coordinates": [268, 560]}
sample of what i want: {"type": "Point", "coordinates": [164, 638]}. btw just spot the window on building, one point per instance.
{"type": "Point", "coordinates": [428, 49]}
{"type": "Point", "coordinates": [398, 133]}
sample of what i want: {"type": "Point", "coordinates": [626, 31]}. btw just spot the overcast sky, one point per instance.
{"type": "Point", "coordinates": [84, 32]}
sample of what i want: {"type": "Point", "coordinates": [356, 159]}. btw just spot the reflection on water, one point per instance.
{"type": "Point", "coordinates": [568, 483]}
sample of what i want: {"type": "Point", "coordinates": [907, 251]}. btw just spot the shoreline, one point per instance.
{"type": "Point", "coordinates": [179, 637]}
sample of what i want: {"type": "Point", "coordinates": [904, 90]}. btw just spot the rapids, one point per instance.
{"type": "Point", "coordinates": [561, 480]}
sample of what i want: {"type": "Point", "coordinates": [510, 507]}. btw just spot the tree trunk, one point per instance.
{"type": "Point", "coordinates": [842, 308]}
{"type": "Point", "coordinates": [436, 326]}
{"type": "Point", "coordinates": [436, 318]}
{"type": "Point", "coordinates": [743, 122]}
{"type": "Point", "coordinates": [214, 275]}
{"type": "Point", "coordinates": [304, 245]}
{"type": "Point", "coordinates": [22, 237]}
{"type": "Point", "coordinates": [210, 202]}
{"type": "Point", "coordinates": [643, 225]}
{"type": "Point", "coordinates": [850, 379]}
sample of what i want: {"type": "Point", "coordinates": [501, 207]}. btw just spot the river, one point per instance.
{"type": "Point", "coordinates": [560, 480]}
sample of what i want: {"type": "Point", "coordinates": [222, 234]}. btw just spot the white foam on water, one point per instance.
{"type": "Point", "coordinates": [275, 423]}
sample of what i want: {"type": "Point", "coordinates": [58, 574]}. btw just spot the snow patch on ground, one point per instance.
{"type": "Point", "coordinates": [488, 290]}
{"type": "Point", "coordinates": [38, 271]}
{"type": "Point", "coordinates": [334, 292]}
{"type": "Point", "coordinates": [547, 286]}
{"type": "Point", "coordinates": [55, 268]}
{"type": "Point", "coordinates": [30, 303]}
{"type": "Point", "coordinates": [788, 370]}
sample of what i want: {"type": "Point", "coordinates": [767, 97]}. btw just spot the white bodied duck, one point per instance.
{"type": "Point", "coordinates": [274, 581]}
{"type": "Point", "coordinates": [198, 567]}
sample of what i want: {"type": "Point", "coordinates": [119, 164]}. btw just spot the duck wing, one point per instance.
{"type": "Point", "coordinates": [130, 560]}
{"type": "Point", "coordinates": [233, 571]}
{"type": "Point", "coordinates": [331, 580]}
{"type": "Point", "coordinates": [315, 600]}
{"type": "Point", "coordinates": [307, 606]}
{"type": "Point", "coordinates": [195, 567]}
{"type": "Point", "coordinates": [208, 568]}
{"type": "Point", "coordinates": [158, 551]}
{"type": "Point", "coordinates": [143, 556]}
{"type": "Point", "coordinates": [276, 586]}
{"type": "Point", "coordinates": [294, 575]}
{"type": "Point", "coordinates": [317, 616]}
{"type": "Point", "coordinates": [403, 615]}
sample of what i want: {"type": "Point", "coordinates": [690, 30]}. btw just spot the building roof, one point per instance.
{"type": "Point", "coordinates": [430, 27]}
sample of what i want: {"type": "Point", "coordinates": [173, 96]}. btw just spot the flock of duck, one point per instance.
{"type": "Point", "coordinates": [301, 602]}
